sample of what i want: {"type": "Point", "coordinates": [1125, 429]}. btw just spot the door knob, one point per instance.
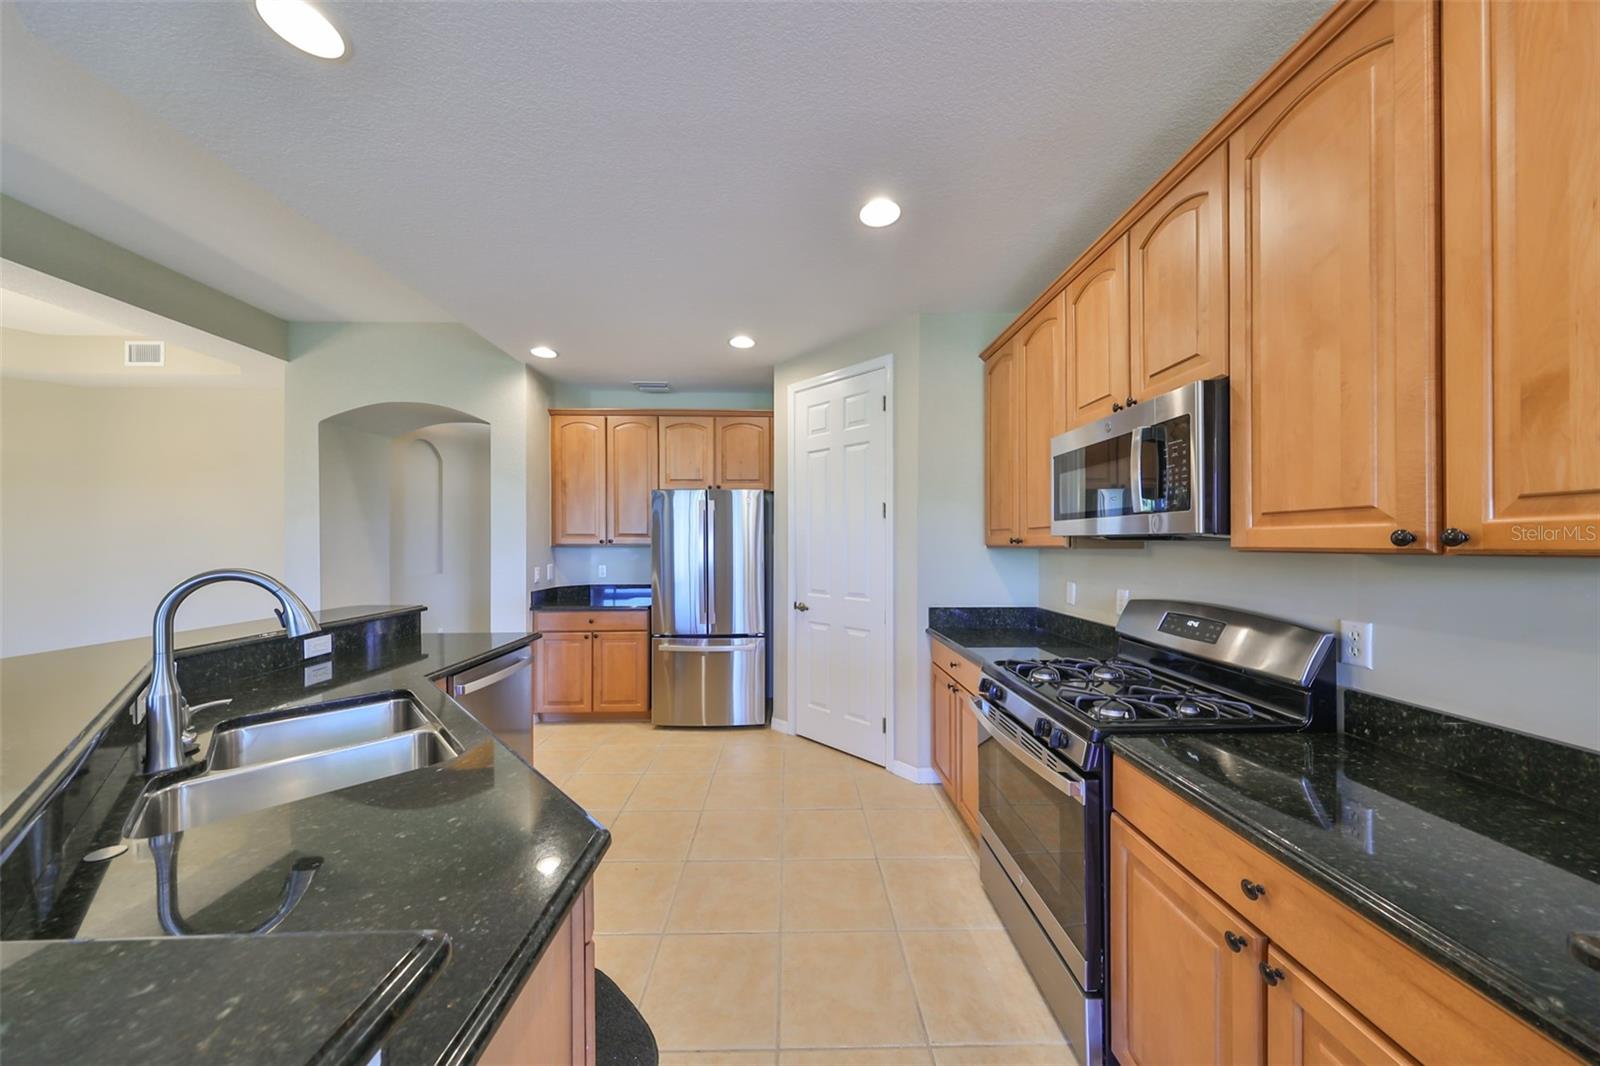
{"type": "Point", "coordinates": [1453, 537]}
{"type": "Point", "coordinates": [800, 606]}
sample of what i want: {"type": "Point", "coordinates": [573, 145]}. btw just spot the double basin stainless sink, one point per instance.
{"type": "Point", "coordinates": [255, 764]}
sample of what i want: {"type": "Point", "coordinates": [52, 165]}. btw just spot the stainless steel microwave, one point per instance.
{"type": "Point", "coordinates": [1152, 469]}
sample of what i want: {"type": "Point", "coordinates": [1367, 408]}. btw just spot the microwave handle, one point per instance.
{"type": "Point", "coordinates": [1144, 504]}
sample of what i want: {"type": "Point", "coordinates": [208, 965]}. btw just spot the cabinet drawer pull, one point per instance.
{"type": "Point", "coordinates": [1253, 889]}
{"type": "Point", "coordinates": [1271, 974]}
{"type": "Point", "coordinates": [1236, 943]}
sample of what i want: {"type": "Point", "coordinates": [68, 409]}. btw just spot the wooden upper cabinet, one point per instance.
{"type": "Point", "coordinates": [1041, 348]}
{"type": "Point", "coordinates": [688, 452]}
{"type": "Point", "coordinates": [743, 451]}
{"type": "Point", "coordinates": [630, 477]}
{"type": "Point", "coordinates": [578, 479]}
{"type": "Point", "coordinates": [1179, 991]}
{"type": "Point", "coordinates": [1002, 509]}
{"type": "Point", "coordinates": [1097, 336]}
{"type": "Point", "coordinates": [1332, 287]}
{"type": "Point", "coordinates": [1521, 111]}
{"type": "Point", "coordinates": [1178, 284]}
{"type": "Point", "coordinates": [1307, 1025]}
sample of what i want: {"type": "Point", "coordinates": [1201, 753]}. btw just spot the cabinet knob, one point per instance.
{"type": "Point", "coordinates": [1453, 537]}
{"type": "Point", "coordinates": [1271, 974]}
{"type": "Point", "coordinates": [1253, 889]}
{"type": "Point", "coordinates": [1116, 406]}
{"type": "Point", "coordinates": [1402, 538]}
{"type": "Point", "coordinates": [1131, 401]}
{"type": "Point", "coordinates": [1236, 943]}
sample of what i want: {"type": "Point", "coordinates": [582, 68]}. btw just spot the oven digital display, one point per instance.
{"type": "Point", "coordinates": [1207, 630]}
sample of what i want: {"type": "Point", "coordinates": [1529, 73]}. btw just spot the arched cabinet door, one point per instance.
{"type": "Point", "coordinates": [630, 477]}
{"type": "Point", "coordinates": [577, 479]}
{"type": "Point", "coordinates": [744, 451]}
{"type": "Point", "coordinates": [1178, 284]}
{"type": "Point", "coordinates": [1332, 283]}
{"type": "Point", "coordinates": [1097, 336]}
{"type": "Point", "coordinates": [1001, 448]}
{"type": "Point", "coordinates": [688, 451]}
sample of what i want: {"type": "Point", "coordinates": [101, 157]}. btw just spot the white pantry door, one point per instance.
{"type": "Point", "coordinates": [839, 497]}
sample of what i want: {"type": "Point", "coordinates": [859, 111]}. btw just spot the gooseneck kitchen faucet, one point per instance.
{"type": "Point", "coordinates": [166, 711]}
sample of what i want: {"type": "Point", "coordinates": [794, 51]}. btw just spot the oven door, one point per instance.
{"type": "Point", "coordinates": [1042, 821]}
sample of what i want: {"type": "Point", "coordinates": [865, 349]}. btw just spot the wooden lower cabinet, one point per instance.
{"type": "Point", "coordinates": [1334, 987]}
{"type": "Point", "coordinates": [592, 662]}
{"type": "Point", "coordinates": [1186, 984]}
{"type": "Point", "coordinates": [621, 672]}
{"type": "Point", "coordinates": [551, 1022]}
{"type": "Point", "coordinates": [566, 679]}
{"type": "Point", "coordinates": [955, 732]}
{"type": "Point", "coordinates": [1307, 1025]}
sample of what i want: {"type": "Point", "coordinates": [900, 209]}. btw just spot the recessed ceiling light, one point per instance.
{"type": "Point", "coordinates": [542, 352]}
{"type": "Point", "coordinates": [742, 340]}
{"type": "Point", "coordinates": [879, 211]}
{"type": "Point", "coordinates": [302, 26]}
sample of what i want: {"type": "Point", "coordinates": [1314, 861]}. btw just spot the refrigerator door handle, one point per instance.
{"type": "Point", "coordinates": [711, 570]}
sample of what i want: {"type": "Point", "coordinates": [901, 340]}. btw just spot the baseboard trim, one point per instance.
{"type": "Point", "coordinates": [783, 725]}
{"type": "Point", "coordinates": [922, 775]}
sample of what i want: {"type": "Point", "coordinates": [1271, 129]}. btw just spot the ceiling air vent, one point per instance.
{"type": "Point", "coordinates": [652, 386]}
{"type": "Point", "coordinates": [144, 353]}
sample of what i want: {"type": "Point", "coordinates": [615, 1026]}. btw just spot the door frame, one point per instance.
{"type": "Point", "coordinates": [791, 725]}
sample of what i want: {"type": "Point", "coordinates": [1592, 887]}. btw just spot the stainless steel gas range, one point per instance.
{"type": "Point", "coordinates": [1043, 786]}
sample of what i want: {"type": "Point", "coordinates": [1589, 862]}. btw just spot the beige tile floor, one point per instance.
{"type": "Point", "coordinates": [768, 900]}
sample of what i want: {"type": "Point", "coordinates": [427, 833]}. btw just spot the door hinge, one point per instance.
{"type": "Point", "coordinates": [885, 403]}
{"type": "Point", "coordinates": [886, 510]}
{"type": "Point", "coordinates": [885, 723]}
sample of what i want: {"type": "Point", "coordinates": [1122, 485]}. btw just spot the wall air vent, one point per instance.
{"type": "Point", "coordinates": [144, 353]}
{"type": "Point", "coordinates": [652, 386]}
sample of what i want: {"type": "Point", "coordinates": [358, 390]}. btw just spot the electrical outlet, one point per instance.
{"type": "Point", "coordinates": [1072, 593]}
{"type": "Point", "coordinates": [317, 646]}
{"type": "Point", "coordinates": [1123, 596]}
{"type": "Point", "coordinates": [549, 570]}
{"type": "Point", "coordinates": [1355, 644]}
{"type": "Point", "coordinates": [602, 569]}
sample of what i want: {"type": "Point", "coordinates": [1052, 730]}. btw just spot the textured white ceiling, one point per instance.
{"type": "Point", "coordinates": [632, 183]}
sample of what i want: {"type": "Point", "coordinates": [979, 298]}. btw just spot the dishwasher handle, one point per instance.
{"type": "Point", "coordinates": [476, 680]}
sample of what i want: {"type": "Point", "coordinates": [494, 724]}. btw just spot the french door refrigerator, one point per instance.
{"type": "Point", "coordinates": [709, 598]}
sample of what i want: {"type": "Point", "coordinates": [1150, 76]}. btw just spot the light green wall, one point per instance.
{"type": "Point", "coordinates": [337, 367]}
{"type": "Point", "coordinates": [45, 243]}
{"type": "Point", "coordinates": [565, 395]}
{"type": "Point", "coordinates": [939, 557]}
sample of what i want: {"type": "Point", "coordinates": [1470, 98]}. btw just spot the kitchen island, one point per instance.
{"type": "Point", "coordinates": [477, 852]}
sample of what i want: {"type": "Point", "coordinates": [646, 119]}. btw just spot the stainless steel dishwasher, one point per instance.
{"type": "Point", "coordinates": [499, 694]}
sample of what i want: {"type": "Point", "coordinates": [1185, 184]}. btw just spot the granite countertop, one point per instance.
{"type": "Point", "coordinates": [590, 598]}
{"type": "Point", "coordinates": [1488, 883]}
{"type": "Point", "coordinates": [480, 849]}
{"type": "Point", "coordinates": [988, 634]}
{"type": "Point", "coordinates": [345, 990]}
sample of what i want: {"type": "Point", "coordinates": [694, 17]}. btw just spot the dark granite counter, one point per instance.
{"type": "Point", "coordinates": [1488, 883]}
{"type": "Point", "coordinates": [590, 598]}
{"type": "Point", "coordinates": [75, 1001]}
{"type": "Point", "coordinates": [480, 848]}
{"type": "Point", "coordinates": [990, 633]}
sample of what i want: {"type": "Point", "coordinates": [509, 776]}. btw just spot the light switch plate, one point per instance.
{"type": "Point", "coordinates": [318, 646]}
{"type": "Point", "coordinates": [602, 570]}
{"type": "Point", "coordinates": [1072, 593]}
{"type": "Point", "coordinates": [1123, 596]}
{"type": "Point", "coordinates": [549, 570]}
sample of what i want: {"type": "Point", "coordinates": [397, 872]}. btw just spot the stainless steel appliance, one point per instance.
{"type": "Point", "coordinates": [499, 693]}
{"type": "Point", "coordinates": [709, 583]}
{"type": "Point", "coordinates": [1152, 469]}
{"type": "Point", "coordinates": [1043, 776]}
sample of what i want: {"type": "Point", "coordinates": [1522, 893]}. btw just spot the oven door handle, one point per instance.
{"type": "Point", "coordinates": [1068, 784]}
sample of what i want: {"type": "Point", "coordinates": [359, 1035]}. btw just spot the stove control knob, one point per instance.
{"type": "Point", "coordinates": [1041, 729]}
{"type": "Point", "coordinates": [1058, 739]}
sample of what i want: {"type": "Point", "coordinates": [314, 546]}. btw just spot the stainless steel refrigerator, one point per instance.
{"type": "Point", "coordinates": [709, 596]}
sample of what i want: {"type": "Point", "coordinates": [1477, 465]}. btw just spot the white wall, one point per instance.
{"type": "Point", "coordinates": [568, 395]}
{"type": "Point", "coordinates": [353, 535]}
{"type": "Point", "coordinates": [939, 557]}
{"type": "Point", "coordinates": [439, 525]}
{"type": "Point", "coordinates": [336, 367]}
{"type": "Point", "coordinates": [1510, 641]}
{"type": "Point", "coordinates": [110, 496]}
